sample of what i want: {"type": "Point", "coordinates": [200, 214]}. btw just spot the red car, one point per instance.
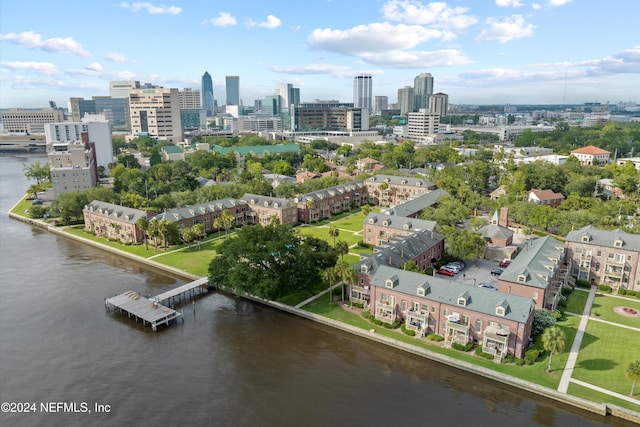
{"type": "Point", "coordinates": [505, 263]}
{"type": "Point", "coordinates": [445, 272]}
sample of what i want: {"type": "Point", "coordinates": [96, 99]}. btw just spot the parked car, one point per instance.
{"type": "Point", "coordinates": [31, 197]}
{"type": "Point", "coordinates": [505, 263]}
{"type": "Point", "coordinates": [452, 267]}
{"type": "Point", "coordinates": [488, 286]}
{"type": "Point", "coordinates": [458, 264]}
{"type": "Point", "coordinates": [445, 272]}
{"type": "Point", "coordinates": [37, 202]}
{"type": "Point", "coordinates": [496, 271]}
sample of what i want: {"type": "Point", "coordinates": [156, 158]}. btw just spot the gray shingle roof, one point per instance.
{"type": "Point", "coordinates": [416, 204]}
{"type": "Point", "coordinates": [121, 213]}
{"type": "Point", "coordinates": [271, 202]}
{"type": "Point", "coordinates": [495, 231]}
{"type": "Point", "coordinates": [480, 300]}
{"type": "Point", "coordinates": [538, 263]}
{"type": "Point", "coordinates": [197, 210]}
{"type": "Point", "coordinates": [401, 180]}
{"type": "Point", "coordinates": [331, 192]}
{"type": "Point", "coordinates": [606, 238]}
{"type": "Point", "coordinates": [400, 223]}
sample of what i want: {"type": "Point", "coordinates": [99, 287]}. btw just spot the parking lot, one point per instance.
{"type": "Point", "coordinates": [474, 273]}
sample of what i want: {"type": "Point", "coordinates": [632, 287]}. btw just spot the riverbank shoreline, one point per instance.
{"type": "Point", "coordinates": [602, 409]}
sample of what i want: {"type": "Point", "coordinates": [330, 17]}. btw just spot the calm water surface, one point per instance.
{"type": "Point", "coordinates": [231, 363]}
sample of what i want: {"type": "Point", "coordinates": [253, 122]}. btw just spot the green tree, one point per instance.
{"type": "Point", "coordinates": [69, 206]}
{"type": "Point", "coordinates": [330, 275]}
{"type": "Point", "coordinates": [154, 231]}
{"type": "Point", "coordinates": [342, 248]}
{"type": "Point", "coordinates": [366, 209]}
{"type": "Point", "coordinates": [199, 232]}
{"type": "Point", "coordinates": [351, 277]}
{"type": "Point", "coordinates": [270, 262]}
{"type": "Point", "coordinates": [226, 221]}
{"type": "Point", "coordinates": [463, 244]}
{"type": "Point", "coordinates": [542, 319]}
{"type": "Point", "coordinates": [187, 235]}
{"type": "Point", "coordinates": [334, 232]}
{"type": "Point", "coordinates": [633, 373]}
{"type": "Point", "coordinates": [34, 189]}
{"type": "Point", "coordinates": [36, 170]}
{"type": "Point", "coordinates": [143, 224]}
{"type": "Point", "coordinates": [553, 341]}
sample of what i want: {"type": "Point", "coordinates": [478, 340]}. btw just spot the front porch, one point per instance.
{"type": "Point", "coordinates": [456, 329]}
{"type": "Point", "coordinates": [495, 341]}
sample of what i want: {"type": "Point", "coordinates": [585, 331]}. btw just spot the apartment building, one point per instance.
{"type": "Point", "coordinates": [607, 257]}
{"type": "Point", "coordinates": [592, 155]}
{"type": "Point", "coordinates": [73, 165]}
{"type": "Point", "coordinates": [386, 190]}
{"type": "Point", "coordinates": [20, 120]}
{"type": "Point", "coordinates": [113, 221]}
{"type": "Point", "coordinates": [207, 213]}
{"type": "Point", "coordinates": [325, 203]}
{"type": "Point", "coordinates": [263, 210]}
{"type": "Point", "coordinates": [380, 228]}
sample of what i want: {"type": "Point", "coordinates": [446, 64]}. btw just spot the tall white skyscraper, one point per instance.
{"type": "Point", "coordinates": [422, 91]}
{"type": "Point", "coordinates": [362, 91]}
{"type": "Point", "coordinates": [439, 104]}
{"type": "Point", "coordinates": [405, 100]}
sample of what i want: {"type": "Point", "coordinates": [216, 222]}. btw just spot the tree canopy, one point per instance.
{"type": "Point", "coordinates": [270, 261]}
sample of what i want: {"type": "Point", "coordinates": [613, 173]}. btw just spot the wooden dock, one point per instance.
{"type": "Point", "coordinates": [134, 305]}
{"type": "Point", "coordinates": [154, 310]}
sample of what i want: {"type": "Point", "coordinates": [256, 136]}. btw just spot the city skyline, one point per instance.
{"type": "Point", "coordinates": [478, 52]}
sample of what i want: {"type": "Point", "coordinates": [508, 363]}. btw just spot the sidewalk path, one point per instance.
{"type": "Point", "coordinates": [605, 391]}
{"type": "Point", "coordinates": [577, 342]}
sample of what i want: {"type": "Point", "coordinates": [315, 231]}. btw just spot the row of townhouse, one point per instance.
{"type": "Point", "coordinates": [249, 209]}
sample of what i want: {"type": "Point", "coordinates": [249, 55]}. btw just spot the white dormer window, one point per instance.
{"type": "Point", "coordinates": [391, 281]}
{"type": "Point", "coordinates": [253, 201]}
{"type": "Point", "coordinates": [618, 243]}
{"type": "Point", "coordinates": [275, 205]}
{"type": "Point", "coordinates": [407, 226]}
{"type": "Point", "coordinates": [372, 220]}
{"type": "Point", "coordinates": [585, 238]}
{"type": "Point", "coordinates": [522, 278]}
{"type": "Point", "coordinates": [386, 222]}
{"type": "Point", "coordinates": [419, 183]}
{"type": "Point", "coordinates": [500, 311]}
{"type": "Point", "coordinates": [421, 292]}
{"type": "Point", "coordinates": [462, 301]}
{"type": "Point", "coordinates": [266, 204]}
{"type": "Point", "coordinates": [403, 182]}
{"type": "Point", "coordinates": [364, 269]}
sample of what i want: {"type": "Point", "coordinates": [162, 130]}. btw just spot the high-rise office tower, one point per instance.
{"type": "Point", "coordinates": [207, 94]}
{"type": "Point", "coordinates": [405, 100]}
{"type": "Point", "coordinates": [285, 90]}
{"type": "Point", "coordinates": [439, 104]}
{"type": "Point", "coordinates": [120, 89]}
{"type": "Point", "coordinates": [362, 91]}
{"type": "Point", "coordinates": [380, 103]}
{"type": "Point", "coordinates": [233, 90]}
{"type": "Point", "coordinates": [189, 99]}
{"type": "Point", "coordinates": [422, 91]}
{"type": "Point", "coordinates": [156, 112]}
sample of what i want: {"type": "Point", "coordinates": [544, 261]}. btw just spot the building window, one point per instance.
{"type": "Point", "coordinates": [478, 325]}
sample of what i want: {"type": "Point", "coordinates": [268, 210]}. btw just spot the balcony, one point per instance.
{"type": "Point", "coordinates": [457, 323]}
{"type": "Point", "coordinates": [360, 294]}
{"type": "Point", "coordinates": [417, 319]}
{"type": "Point", "coordinates": [385, 311]}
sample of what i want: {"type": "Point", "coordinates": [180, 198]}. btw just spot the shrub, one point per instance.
{"type": "Point", "coordinates": [519, 362]}
{"type": "Point", "coordinates": [542, 318]}
{"type": "Point", "coordinates": [604, 288]}
{"type": "Point", "coordinates": [461, 347]}
{"type": "Point", "coordinates": [531, 355]}
{"type": "Point", "coordinates": [509, 358]}
{"type": "Point", "coordinates": [435, 337]}
{"type": "Point", "coordinates": [482, 354]}
{"type": "Point", "coordinates": [563, 303]}
{"type": "Point", "coordinates": [358, 305]}
{"type": "Point", "coordinates": [566, 292]}
{"type": "Point", "coordinates": [556, 315]}
{"type": "Point", "coordinates": [409, 332]}
{"type": "Point", "coordinates": [622, 291]}
{"type": "Point", "coordinates": [583, 284]}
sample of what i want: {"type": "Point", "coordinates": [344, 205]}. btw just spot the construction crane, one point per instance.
{"type": "Point", "coordinates": [604, 109]}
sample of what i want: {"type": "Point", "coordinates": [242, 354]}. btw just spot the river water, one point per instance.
{"type": "Point", "coordinates": [230, 363]}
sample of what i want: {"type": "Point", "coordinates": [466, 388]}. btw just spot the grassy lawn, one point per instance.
{"type": "Point", "coordinates": [138, 250]}
{"type": "Point", "coordinates": [535, 373]}
{"type": "Point", "coordinates": [577, 301]}
{"type": "Point", "coordinates": [352, 223]}
{"type": "Point", "coordinates": [603, 309]}
{"type": "Point", "coordinates": [192, 260]}
{"type": "Point", "coordinates": [595, 396]}
{"type": "Point", "coordinates": [605, 353]}
{"type": "Point", "coordinates": [323, 233]}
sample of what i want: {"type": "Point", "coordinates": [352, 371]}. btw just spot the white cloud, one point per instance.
{"type": "Point", "coordinates": [333, 70]}
{"type": "Point", "coordinates": [271, 23]}
{"type": "Point", "coordinates": [94, 66]}
{"type": "Point", "coordinates": [43, 68]}
{"type": "Point", "coordinates": [151, 8]}
{"type": "Point", "coordinates": [436, 14]}
{"type": "Point", "coordinates": [510, 28]}
{"type": "Point", "coordinates": [376, 37]}
{"type": "Point", "coordinates": [559, 2]}
{"type": "Point", "coordinates": [224, 19]}
{"type": "Point", "coordinates": [117, 57]}
{"type": "Point", "coordinates": [508, 3]}
{"type": "Point", "coordinates": [33, 40]}
{"type": "Point", "coordinates": [418, 59]}
{"type": "Point", "coordinates": [536, 6]}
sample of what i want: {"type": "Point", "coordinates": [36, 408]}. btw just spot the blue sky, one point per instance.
{"type": "Point", "coordinates": [478, 51]}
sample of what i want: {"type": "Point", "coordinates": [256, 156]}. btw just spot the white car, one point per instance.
{"type": "Point", "coordinates": [453, 268]}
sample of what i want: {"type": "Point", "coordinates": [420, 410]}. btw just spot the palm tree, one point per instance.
{"type": "Point", "coordinates": [342, 248]}
{"type": "Point", "coordinates": [154, 232]}
{"type": "Point", "coordinates": [217, 223]}
{"type": "Point", "coordinates": [351, 276]}
{"type": "Point", "coordinates": [198, 231]}
{"type": "Point", "coordinates": [310, 204]}
{"type": "Point", "coordinates": [342, 267]}
{"type": "Point", "coordinates": [553, 340]}
{"type": "Point", "coordinates": [330, 275]}
{"type": "Point", "coordinates": [227, 220]}
{"type": "Point", "coordinates": [143, 224]}
{"type": "Point", "coordinates": [34, 189]}
{"type": "Point", "coordinates": [633, 373]}
{"type": "Point", "coordinates": [334, 232]}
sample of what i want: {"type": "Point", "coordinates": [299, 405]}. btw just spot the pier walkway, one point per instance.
{"type": "Point", "coordinates": [152, 310]}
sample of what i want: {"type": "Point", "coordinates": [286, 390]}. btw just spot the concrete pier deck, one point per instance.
{"type": "Point", "coordinates": [134, 305]}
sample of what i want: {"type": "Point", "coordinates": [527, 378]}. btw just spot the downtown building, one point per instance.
{"type": "Point", "coordinates": [422, 126]}
{"type": "Point", "coordinates": [329, 116]}
{"type": "Point", "coordinates": [439, 104]}
{"type": "Point", "coordinates": [156, 112]}
{"type": "Point", "coordinates": [115, 110]}
{"type": "Point", "coordinates": [208, 104]}
{"type": "Point", "coordinates": [422, 91]}
{"type": "Point", "coordinates": [362, 91]}
{"type": "Point", "coordinates": [72, 163]}
{"type": "Point", "coordinates": [31, 121]}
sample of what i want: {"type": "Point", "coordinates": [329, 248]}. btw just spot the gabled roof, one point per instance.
{"type": "Point", "coordinates": [537, 263]}
{"type": "Point", "coordinates": [590, 149]}
{"type": "Point", "coordinates": [400, 180]}
{"type": "Point", "coordinates": [444, 291]}
{"type": "Point", "coordinates": [496, 231]}
{"type": "Point", "coordinates": [606, 238]}
{"type": "Point", "coordinates": [116, 212]}
{"type": "Point", "coordinates": [271, 202]}
{"type": "Point", "coordinates": [546, 194]}
{"type": "Point", "coordinates": [400, 223]}
{"type": "Point", "coordinates": [327, 193]}
{"type": "Point", "coordinates": [194, 211]}
{"type": "Point", "coordinates": [416, 204]}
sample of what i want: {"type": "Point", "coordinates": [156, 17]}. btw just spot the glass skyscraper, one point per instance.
{"type": "Point", "coordinates": [233, 90]}
{"type": "Point", "coordinates": [362, 87]}
{"type": "Point", "coordinates": [422, 91]}
{"type": "Point", "coordinates": [207, 94]}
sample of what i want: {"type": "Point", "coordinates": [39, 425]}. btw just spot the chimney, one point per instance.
{"type": "Point", "coordinates": [503, 219]}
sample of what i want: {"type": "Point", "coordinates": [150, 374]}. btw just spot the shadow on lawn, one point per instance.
{"type": "Point", "coordinates": [588, 339]}
{"type": "Point", "coordinates": [598, 364]}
